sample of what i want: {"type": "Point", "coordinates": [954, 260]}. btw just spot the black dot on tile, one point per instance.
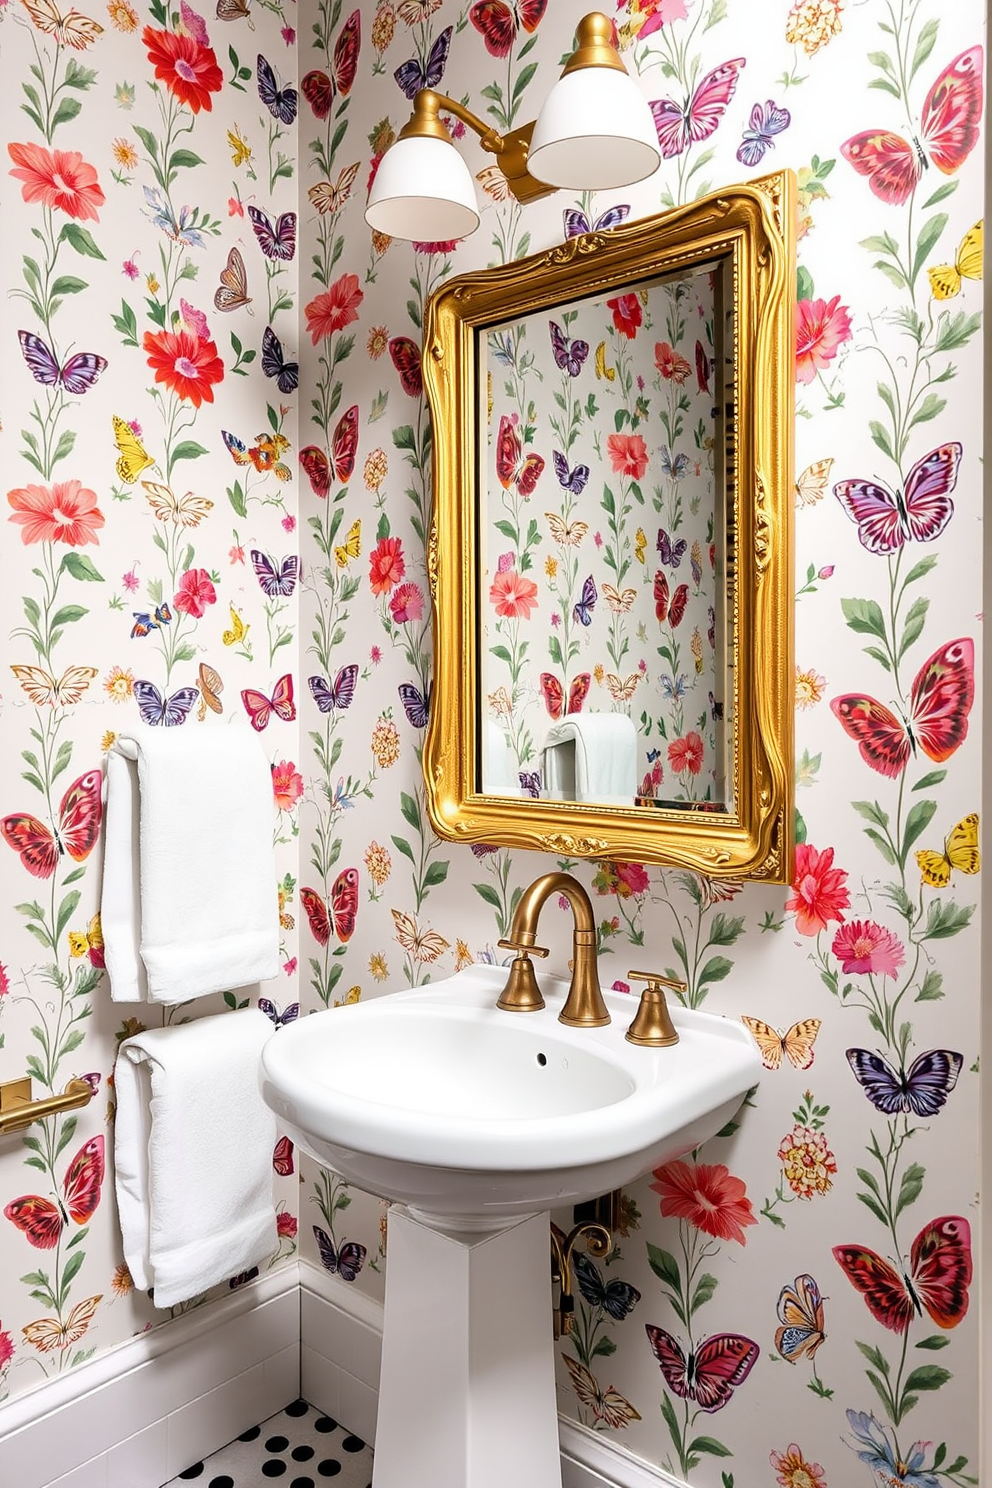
{"type": "Point", "coordinates": [277, 1444]}
{"type": "Point", "coordinates": [303, 1483]}
{"type": "Point", "coordinates": [298, 1408]}
{"type": "Point", "coordinates": [353, 1444]}
{"type": "Point", "coordinates": [223, 1482]}
{"type": "Point", "coordinates": [329, 1468]}
{"type": "Point", "coordinates": [252, 1434]}
{"type": "Point", "coordinates": [192, 1472]}
{"type": "Point", "coordinates": [324, 1423]}
{"type": "Point", "coordinates": [273, 1468]}
{"type": "Point", "coordinates": [301, 1454]}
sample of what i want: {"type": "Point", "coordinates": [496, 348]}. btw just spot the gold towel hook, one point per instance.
{"type": "Point", "coordinates": [18, 1110]}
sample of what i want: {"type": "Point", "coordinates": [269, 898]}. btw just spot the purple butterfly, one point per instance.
{"type": "Point", "coordinates": [272, 1012]}
{"type": "Point", "coordinates": [242, 1278]}
{"type": "Point", "coordinates": [671, 552]}
{"type": "Point", "coordinates": [338, 694]}
{"type": "Point", "coordinates": [414, 75]}
{"type": "Point", "coordinates": [286, 374]}
{"type": "Point", "coordinates": [569, 354]}
{"type": "Point", "coordinates": [145, 622]}
{"type": "Point", "coordinates": [922, 1089]}
{"type": "Point", "coordinates": [614, 1296]}
{"type": "Point", "coordinates": [767, 120]}
{"type": "Point", "coordinates": [281, 580]}
{"type": "Point", "coordinates": [582, 611]}
{"type": "Point", "coordinates": [572, 480]}
{"type": "Point", "coordinates": [78, 374]}
{"type": "Point", "coordinates": [416, 705]}
{"type": "Point", "coordinates": [280, 102]}
{"type": "Point", "coordinates": [347, 1262]}
{"type": "Point", "coordinates": [276, 239]}
{"type": "Point", "coordinates": [675, 468]}
{"type": "Point", "coordinates": [530, 781]}
{"type": "Point", "coordinates": [577, 222]}
{"type": "Point", "coordinates": [169, 711]}
{"type": "Point", "coordinates": [887, 519]}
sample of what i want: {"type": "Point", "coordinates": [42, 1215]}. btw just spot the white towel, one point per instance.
{"type": "Point", "coordinates": [500, 776]}
{"type": "Point", "coordinates": [193, 1144]}
{"type": "Point", "coordinates": [189, 880]}
{"type": "Point", "coordinates": [592, 757]}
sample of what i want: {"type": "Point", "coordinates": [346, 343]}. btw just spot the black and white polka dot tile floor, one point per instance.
{"type": "Point", "coordinates": [298, 1448]}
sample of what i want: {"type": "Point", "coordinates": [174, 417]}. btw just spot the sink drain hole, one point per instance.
{"type": "Point", "coordinates": [542, 1060]}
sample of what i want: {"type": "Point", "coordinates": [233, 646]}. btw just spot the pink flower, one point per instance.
{"type": "Point", "coordinates": [287, 785]}
{"type": "Point", "coordinates": [386, 564]}
{"type": "Point", "coordinates": [67, 513]}
{"type": "Point", "coordinates": [826, 572]}
{"type": "Point", "coordinates": [130, 268]}
{"type": "Point", "coordinates": [628, 454]}
{"type": "Point", "coordinates": [235, 208]}
{"type": "Point", "coordinates": [288, 523]}
{"type": "Point", "coordinates": [407, 603]}
{"type": "Point", "coordinates": [4, 981]}
{"type": "Point", "coordinates": [336, 308]}
{"type": "Point", "coordinates": [708, 1196]}
{"type": "Point", "coordinates": [289, 966]}
{"type": "Point", "coordinates": [443, 245]}
{"type": "Point", "coordinates": [6, 1350]}
{"type": "Point", "coordinates": [672, 366]}
{"type": "Point", "coordinates": [59, 179]}
{"type": "Point", "coordinates": [513, 595]}
{"type": "Point", "coordinates": [864, 946]}
{"type": "Point", "coordinates": [195, 592]}
{"type": "Point", "coordinates": [375, 655]}
{"type": "Point", "coordinates": [686, 754]}
{"type": "Point", "coordinates": [656, 13]}
{"type": "Point", "coordinates": [286, 1225]}
{"type": "Point", "coordinates": [822, 327]}
{"type": "Point", "coordinates": [632, 878]}
{"type": "Point", "coordinates": [288, 35]}
{"type": "Point", "coordinates": [236, 554]}
{"type": "Point", "coordinates": [130, 580]}
{"type": "Point", "coordinates": [819, 890]}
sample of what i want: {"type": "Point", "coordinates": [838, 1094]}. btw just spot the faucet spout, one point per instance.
{"type": "Point", "coordinates": [584, 1006]}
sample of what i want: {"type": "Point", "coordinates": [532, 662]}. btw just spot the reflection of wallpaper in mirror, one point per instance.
{"type": "Point", "coordinates": [602, 581]}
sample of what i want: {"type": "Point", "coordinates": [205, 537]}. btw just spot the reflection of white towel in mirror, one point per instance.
{"type": "Point", "coordinates": [592, 757]}
{"type": "Point", "coordinates": [499, 767]}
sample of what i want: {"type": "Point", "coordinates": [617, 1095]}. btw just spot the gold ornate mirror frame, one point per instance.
{"type": "Point", "coordinates": [751, 227]}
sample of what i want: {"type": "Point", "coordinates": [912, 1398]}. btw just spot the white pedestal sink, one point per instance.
{"type": "Point", "coordinates": [479, 1122]}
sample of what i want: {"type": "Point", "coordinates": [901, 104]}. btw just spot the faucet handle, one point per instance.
{"type": "Point", "coordinates": [521, 993]}
{"type": "Point", "coordinates": [652, 1024]}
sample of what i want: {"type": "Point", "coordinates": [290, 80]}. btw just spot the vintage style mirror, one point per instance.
{"type": "Point", "coordinates": [610, 557]}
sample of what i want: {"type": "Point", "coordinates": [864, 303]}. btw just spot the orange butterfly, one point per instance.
{"type": "Point", "coordinates": [41, 687]}
{"type": "Point", "coordinates": [606, 1405]}
{"type": "Point", "coordinates": [72, 29]}
{"type": "Point", "coordinates": [796, 1044]}
{"type": "Point", "coordinates": [232, 292]}
{"type": "Point", "coordinates": [800, 1311]}
{"type": "Point", "coordinates": [619, 600]}
{"type": "Point", "coordinates": [812, 483]}
{"type": "Point", "coordinates": [50, 1333]}
{"type": "Point", "coordinates": [424, 945]}
{"type": "Point", "coordinates": [331, 197]}
{"type": "Point", "coordinates": [622, 689]}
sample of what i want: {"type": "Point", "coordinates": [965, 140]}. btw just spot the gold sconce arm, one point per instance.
{"type": "Point", "coordinates": [18, 1110]}
{"type": "Point", "coordinates": [510, 149]}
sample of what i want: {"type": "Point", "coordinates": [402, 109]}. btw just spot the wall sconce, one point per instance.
{"type": "Point", "coordinates": [594, 133]}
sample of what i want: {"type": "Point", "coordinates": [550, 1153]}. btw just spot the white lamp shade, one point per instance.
{"type": "Point", "coordinates": [594, 133]}
{"type": "Point", "coordinates": [423, 191]}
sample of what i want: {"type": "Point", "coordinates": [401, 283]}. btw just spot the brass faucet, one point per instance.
{"type": "Point", "coordinates": [584, 1006]}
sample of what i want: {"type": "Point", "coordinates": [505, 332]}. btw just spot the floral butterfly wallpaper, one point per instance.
{"type": "Point", "coordinates": [794, 1304]}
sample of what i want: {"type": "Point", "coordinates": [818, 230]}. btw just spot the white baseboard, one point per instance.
{"type": "Point", "coordinates": [340, 1346]}
{"type": "Point", "coordinates": [180, 1391]}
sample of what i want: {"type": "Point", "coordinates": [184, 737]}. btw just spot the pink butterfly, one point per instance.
{"type": "Point", "coordinates": [680, 125]}
{"type": "Point", "coordinates": [886, 519]}
{"type": "Point", "coordinates": [260, 708]}
{"type": "Point", "coordinates": [711, 1373]}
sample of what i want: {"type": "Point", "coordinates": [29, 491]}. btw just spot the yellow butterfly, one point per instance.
{"type": "Point", "coordinates": [240, 148]}
{"type": "Point", "coordinates": [71, 30]}
{"type": "Point", "coordinates": [352, 545]}
{"type": "Point", "coordinates": [619, 600]}
{"type": "Point", "coordinates": [41, 687]}
{"type": "Point", "coordinates": [567, 536]}
{"type": "Point", "coordinates": [640, 544]}
{"type": "Point", "coordinates": [945, 279]}
{"type": "Point", "coordinates": [353, 995]}
{"type": "Point", "coordinates": [960, 852]}
{"type": "Point", "coordinates": [48, 1333]}
{"type": "Point", "coordinates": [696, 647]}
{"type": "Point", "coordinates": [424, 945]}
{"type": "Point", "coordinates": [238, 629]}
{"type": "Point", "coordinates": [606, 1405]}
{"type": "Point", "coordinates": [797, 1043]}
{"type": "Point", "coordinates": [621, 691]}
{"type": "Point", "coordinates": [134, 458]}
{"type": "Point", "coordinates": [811, 485]}
{"type": "Point", "coordinates": [211, 687]}
{"type": "Point", "coordinates": [92, 939]}
{"type": "Point", "coordinates": [500, 701]}
{"type": "Point", "coordinates": [493, 183]}
{"type": "Point", "coordinates": [602, 370]}
{"type": "Point", "coordinates": [331, 198]}
{"type": "Point", "coordinates": [184, 511]}
{"type": "Point", "coordinates": [286, 920]}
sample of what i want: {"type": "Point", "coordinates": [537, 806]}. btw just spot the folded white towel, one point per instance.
{"type": "Point", "coordinates": [193, 1146]}
{"type": "Point", "coordinates": [592, 757]}
{"type": "Point", "coordinates": [189, 878]}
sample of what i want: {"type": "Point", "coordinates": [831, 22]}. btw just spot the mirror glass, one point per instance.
{"type": "Point", "coordinates": [605, 526]}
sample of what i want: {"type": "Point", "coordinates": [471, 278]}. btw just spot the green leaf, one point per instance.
{"type": "Point", "coordinates": [800, 827]}
{"type": "Point", "coordinates": [935, 1341]}
{"type": "Point", "coordinates": [488, 893]}
{"type": "Point", "coordinates": [929, 234]}
{"type": "Point", "coordinates": [436, 874]}
{"type": "Point", "coordinates": [83, 242]}
{"type": "Point", "coordinates": [148, 140]}
{"type": "Point", "coordinates": [941, 194]}
{"type": "Point", "coordinates": [933, 777]}
{"type": "Point", "coordinates": [932, 989]}
{"type": "Point", "coordinates": [913, 627]}
{"type": "Point", "coordinates": [927, 1377]}
{"type": "Point", "coordinates": [871, 811]}
{"type": "Point", "coordinates": [708, 1444]}
{"type": "Point", "coordinates": [864, 617]}
{"type": "Point", "coordinates": [71, 1268]}
{"type": "Point", "coordinates": [183, 160]}
{"type": "Point", "coordinates": [236, 497]}
{"type": "Point", "coordinates": [928, 409]}
{"type": "Point", "coordinates": [910, 1187]}
{"type": "Point", "coordinates": [884, 86]}
{"type": "Point", "coordinates": [716, 968]}
{"type": "Point", "coordinates": [188, 450]}
{"type": "Point", "coordinates": [919, 569]}
{"type": "Point", "coordinates": [878, 1360]}
{"type": "Point", "coordinates": [874, 1207]}
{"type": "Point", "coordinates": [668, 1412]}
{"type": "Point", "coordinates": [66, 910]}
{"type": "Point", "coordinates": [705, 1287]}
{"type": "Point", "coordinates": [67, 284]}
{"type": "Point", "coordinates": [804, 283]}
{"type": "Point", "coordinates": [945, 920]}
{"type": "Point", "coordinates": [878, 432]}
{"type": "Point", "coordinates": [403, 847]}
{"type": "Point", "coordinates": [916, 823]}
{"type": "Point", "coordinates": [924, 46]}
{"type": "Point", "coordinates": [82, 568]}
{"type": "Point", "coordinates": [67, 615]}
{"type": "Point", "coordinates": [67, 111]}
{"type": "Point", "coordinates": [411, 811]}
{"type": "Point", "coordinates": [665, 1267]}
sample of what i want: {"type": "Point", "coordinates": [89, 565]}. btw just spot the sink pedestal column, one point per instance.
{"type": "Point", "coordinates": [467, 1391]}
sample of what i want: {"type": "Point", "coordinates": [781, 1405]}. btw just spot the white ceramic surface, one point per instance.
{"type": "Point", "coordinates": [435, 1098]}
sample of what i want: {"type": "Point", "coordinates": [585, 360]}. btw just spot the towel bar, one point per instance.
{"type": "Point", "coordinates": [18, 1110]}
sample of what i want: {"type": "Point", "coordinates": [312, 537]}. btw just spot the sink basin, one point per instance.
{"type": "Point", "coordinates": [435, 1098]}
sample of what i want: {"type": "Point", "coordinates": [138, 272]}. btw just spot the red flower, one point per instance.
{"type": "Point", "coordinates": [187, 365]}
{"type": "Point", "coordinates": [67, 513]}
{"type": "Point", "coordinates": [673, 368]}
{"type": "Point", "coordinates": [4, 981]}
{"type": "Point", "coordinates": [6, 1350]}
{"type": "Point", "coordinates": [195, 592]}
{"type": "Point", "coordinates": [819, 890]}
{"type": "Point", "coordinates": [287, 785]}
{"type": "Point", "coordinates": [628, 454]}
{"type": "Point", "coordinates": [334, 309]}
{"type": "Point", "coordinates": [59, 178]}
{"type": "Point", "coordinates": [187, 68]}
{"type": "Point", "coordinates": [626, 314]}
{"type": "Point", "coordinates": [822, 327]}
{"type": "Point", "coordinates": [513, 595]}
{"type": "Point", "coordinates": [407, 603]}
{"type": "Point", "coordinates": [386, 564]}
{"type": "Point", "coordinates": [863, 946]}
{"type": "Point", "coordinates": [708, 1196]}
{"type": "Point", "coordinates": [286, 1224]}
{"type": "Point", "coordinates": [443, 245]}
{"type": "Point", "coordinates": [632, 878]}
{"type": "Point", "coordinates": [686, 754]}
